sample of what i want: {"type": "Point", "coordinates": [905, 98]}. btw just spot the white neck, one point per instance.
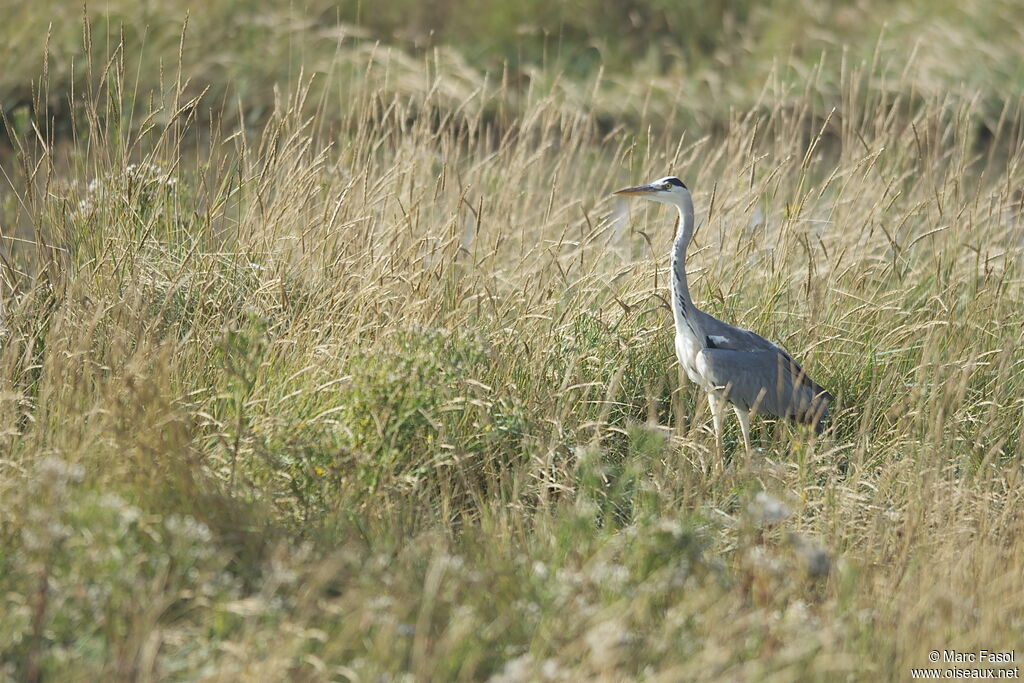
{"type": "Point", "coordinates": [685, 313]}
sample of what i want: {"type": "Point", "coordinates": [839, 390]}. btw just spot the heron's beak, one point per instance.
{"type": "Point", "coordinates": [639, 190]}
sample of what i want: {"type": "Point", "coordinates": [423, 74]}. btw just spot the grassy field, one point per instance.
{"type": "Point", "coordinates": [325, 354]}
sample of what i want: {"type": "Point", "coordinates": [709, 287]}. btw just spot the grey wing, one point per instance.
{"type": "Point", "coordinates": [725, 336]}
{"type": "Point", "coordinates": [767, 381]}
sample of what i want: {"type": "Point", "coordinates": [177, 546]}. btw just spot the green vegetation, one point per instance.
{"type": "Point", "coordinates": [326, 356]}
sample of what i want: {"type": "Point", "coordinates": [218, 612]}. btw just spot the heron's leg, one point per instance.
{"type": "Point", "coordinates": [717, 416]}
{"type": "Point", "coordinates": [744, 418]}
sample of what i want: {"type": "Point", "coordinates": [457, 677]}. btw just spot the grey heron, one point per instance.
{"type": "Point", "coordinates": [730, 364]}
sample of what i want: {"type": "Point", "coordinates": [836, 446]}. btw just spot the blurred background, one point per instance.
{"type": "Point", "coordinates": [706, 58]}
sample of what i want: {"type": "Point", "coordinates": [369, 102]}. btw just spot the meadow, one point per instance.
{"type": "Point", "coordinates": [326, 354]}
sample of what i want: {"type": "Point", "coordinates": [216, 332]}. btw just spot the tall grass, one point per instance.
{"type": "Point", "coordinates": [383, 385]}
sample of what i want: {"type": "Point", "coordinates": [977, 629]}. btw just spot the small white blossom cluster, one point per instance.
{"type": "Point", "coordinates": [148, 172]}
{"type": "Point", "coordinates": [526, 668]}
{"type": "Point", "coordinates": [766, 510]}
{"type": "Point", "coordinates": [142, 181]}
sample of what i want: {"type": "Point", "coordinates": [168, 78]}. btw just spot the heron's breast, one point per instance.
{"type": "Point", "coordinates": [687, 350]}
{"type": "Point", "coordinates": [700, 364]}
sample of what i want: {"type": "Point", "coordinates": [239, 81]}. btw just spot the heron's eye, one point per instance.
{"type": "Point", "coordinates": [666, 186]}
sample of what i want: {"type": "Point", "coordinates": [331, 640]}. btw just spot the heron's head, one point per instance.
{"type": "Point", "coordinates": [668, 190]}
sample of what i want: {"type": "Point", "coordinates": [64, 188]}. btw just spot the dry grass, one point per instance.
{"type": "Point", "coordinates": [378, 388]}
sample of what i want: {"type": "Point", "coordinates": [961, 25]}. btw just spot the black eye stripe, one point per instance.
{"type": "Point", "coordinates": [677, 182]}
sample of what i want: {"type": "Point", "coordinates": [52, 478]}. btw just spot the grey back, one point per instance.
{"type": "Point", "coordinates": [767, 381]}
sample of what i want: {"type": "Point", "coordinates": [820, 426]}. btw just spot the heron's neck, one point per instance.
{"type": "Point", "coordinates": [684, 311]}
